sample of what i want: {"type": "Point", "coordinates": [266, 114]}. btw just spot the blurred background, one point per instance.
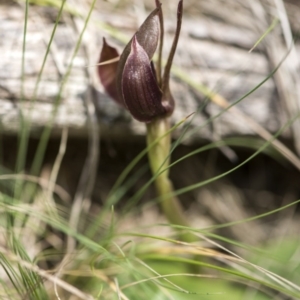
{"type": "Point", "coordinates": [237, 68]}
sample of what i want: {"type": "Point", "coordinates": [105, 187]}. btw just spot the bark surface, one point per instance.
{"type": "Point", "coordinates": [213, 53]}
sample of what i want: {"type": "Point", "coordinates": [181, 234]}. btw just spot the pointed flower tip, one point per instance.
{"type": "Point", "coordinates": [158, 4]}
{"type": "Point", "coordinates": [132, 81]}
{"type": "Point", "coordinates": [134, 44]}
{"type": "Point", "coordinates": [141, 92]}
{"type": "Point", "coordinates": [148, 33]}
{"type": "Point", "coordinates": [180, 7]}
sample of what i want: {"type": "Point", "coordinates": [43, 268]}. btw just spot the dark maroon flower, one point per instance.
{"type": "Point", "coordinates": [133, 81]}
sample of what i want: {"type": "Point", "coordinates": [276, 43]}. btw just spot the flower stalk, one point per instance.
{"type": "Point", "coordinates": [159, 159]}
{"type": "Point", "coordinates": [134, 83]}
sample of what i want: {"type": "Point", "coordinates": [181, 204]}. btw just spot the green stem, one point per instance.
{"type": "Point", "coordinates": [159, 159]}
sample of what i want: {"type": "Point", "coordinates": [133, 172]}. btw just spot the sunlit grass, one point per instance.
{"type": "Point", "coordinates": [109, 262]}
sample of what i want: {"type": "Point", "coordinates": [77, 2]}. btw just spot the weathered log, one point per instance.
{"type": "Point", "coordinates": [213, 51]}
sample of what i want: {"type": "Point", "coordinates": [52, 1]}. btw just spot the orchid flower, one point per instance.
{"type": "Point", "coordinates": [133, 81]}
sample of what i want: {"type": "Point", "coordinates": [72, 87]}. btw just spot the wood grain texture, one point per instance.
{"type": "Point", "coordinates": [212, 51]}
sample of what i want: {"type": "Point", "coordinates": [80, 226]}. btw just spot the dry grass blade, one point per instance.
{"type": "Point", "coordinates": [276, 278]}
{"type": "Point", "coordinates": [265, 134]}
{"type": "Point", "coordinates": [81, 248]}
{"type": "Point", "coordinates": [44, 183]}
{"type": "Point", "coordinates": [89, 171]}
{"type": "Point", "coordinates": [289, 80]}
{"type": "Point", "coordinates": [64, 285]}
{"type": "Point", "coordinates": [286, 78]}
{"type": "Point", "coordinates": [57, 163]}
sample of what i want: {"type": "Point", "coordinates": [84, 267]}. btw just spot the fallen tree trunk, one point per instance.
{"type": "Point", "coordinates": [213, 53]}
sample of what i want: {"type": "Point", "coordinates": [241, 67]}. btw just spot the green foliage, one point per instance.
{"type": "Point", "coordinates": [109, 262]}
